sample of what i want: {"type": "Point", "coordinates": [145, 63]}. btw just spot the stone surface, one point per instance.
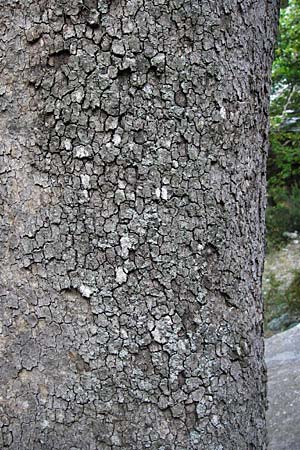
{"type": "Point", "coordinates": [283, 417]}
{"type": "Point", "coordinates": [281, 323]}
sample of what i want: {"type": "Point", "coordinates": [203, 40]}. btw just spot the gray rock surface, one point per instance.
{"type": "Point", "coordinates": [283, 362]}
{"type": "Point", "coordinates": [280, 323]}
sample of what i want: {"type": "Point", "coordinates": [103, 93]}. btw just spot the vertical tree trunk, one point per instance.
{"type": "Point", "coordinates": [133, 147]}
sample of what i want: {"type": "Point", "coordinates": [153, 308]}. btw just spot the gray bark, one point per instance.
{"type": "Point", "coordinates": [133, 147]}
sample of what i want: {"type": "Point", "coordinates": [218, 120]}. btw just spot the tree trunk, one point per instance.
{"type": "Point", "coordinates": [133, 148]}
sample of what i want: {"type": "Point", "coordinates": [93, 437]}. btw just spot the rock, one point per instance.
{"type": "Point", "coordinates": [289, 235]}
{"type": "Point", "coordinates": [280, 323]}
{"type": "Point", "coordinates": [283, 417]}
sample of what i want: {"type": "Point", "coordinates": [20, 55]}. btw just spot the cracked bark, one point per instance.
{"type": "Point", "coordinates": [133, 147]}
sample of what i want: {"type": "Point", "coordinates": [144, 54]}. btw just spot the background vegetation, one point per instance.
{"type": "Point", "coordinates": [283, 213]}
{"type": "Point", "coordinates": [282, 289]}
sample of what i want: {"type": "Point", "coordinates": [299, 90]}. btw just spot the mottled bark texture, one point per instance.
{"type": "Point", "coordinates": [133, 146]}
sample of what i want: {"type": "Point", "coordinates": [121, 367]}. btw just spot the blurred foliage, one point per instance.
{"type": "Point", "coordinates": [293, 294]}
{"type": "Point", "coordinates": [280, 300]}
{"type": "Point", "coordinates": [284, 160]}
{"type": "Point", "coordinates": [286, 65]}
{"type": "Point", "coordinates": [282, 216]}
{"type": "Point", "coordinates": [283, 171]}
{"type": "Point", "coordinates": [274, 299]}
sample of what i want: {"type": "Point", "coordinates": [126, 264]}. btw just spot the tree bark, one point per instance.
{"type": "Point", "coordinates": [133, 150]}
